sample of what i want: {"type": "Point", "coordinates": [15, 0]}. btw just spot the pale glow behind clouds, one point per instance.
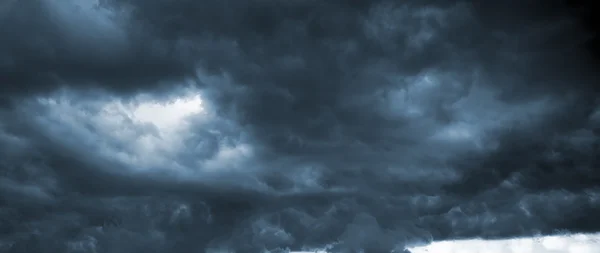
{"type": "Point", "coordinates": [154, 148]}
{"type": "Point", "coordinates": [576, 243]}
{"type": "Point", "coordinates": [143, 133]}
{"type": "Point", "coordinates": [579, 243]}
{"type": "Point", "coordinates": [170, 115]}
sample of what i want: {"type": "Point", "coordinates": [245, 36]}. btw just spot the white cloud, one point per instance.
{"type": "Point", "coordinates": [170, 115]}
{"type": "Point", "coordinates": [578, 243]}
{"type": "Point", "coordinates": [575, 243]}
{"type": "Point", "coordinates": [144, 133]}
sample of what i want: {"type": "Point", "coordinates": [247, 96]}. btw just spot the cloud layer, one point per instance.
{"type": "Point", "coordinates": [546, 244]}
{"type": "Point", "coordinates": [266, 125]}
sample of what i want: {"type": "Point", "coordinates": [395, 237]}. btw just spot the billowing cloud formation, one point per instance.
{"type": "Point", "coordinates": [546, 244]}
{"type": "Point", "coordinates": [268, 126]}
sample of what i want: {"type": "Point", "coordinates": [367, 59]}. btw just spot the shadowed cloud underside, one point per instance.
{"type": "Point", "coordinates": [274, 126]}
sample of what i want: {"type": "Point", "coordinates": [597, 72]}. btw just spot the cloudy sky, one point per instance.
{"type": "Point", "coordinates": [191, 126]}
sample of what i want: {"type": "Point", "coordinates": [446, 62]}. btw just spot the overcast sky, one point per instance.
{"type": "Point", "coordinates": [190, 126]}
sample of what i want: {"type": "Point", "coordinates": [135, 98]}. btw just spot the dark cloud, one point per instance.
{"type": "Point", "coordinates": [345, 125]}
{"type": "Point", "coordinates": [48, 44]}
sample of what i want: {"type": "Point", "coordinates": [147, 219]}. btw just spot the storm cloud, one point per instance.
{"type": "Point", "coordinates": [270, 126]}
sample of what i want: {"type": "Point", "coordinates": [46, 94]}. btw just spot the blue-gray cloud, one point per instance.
{"type": "Point", "coordinates": [347, 125]}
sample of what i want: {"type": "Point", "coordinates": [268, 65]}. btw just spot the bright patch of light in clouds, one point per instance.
{"type": "Point", "coordinates": [167, 115]}
{"type": "Point", "coordinates": [578, 243]}
{"type": "Point", "coordinates": [457, 132]}
{"type": "Point", "coordinates": [146, 134]}
{"type": "Point", "coordinates": [143, 133]}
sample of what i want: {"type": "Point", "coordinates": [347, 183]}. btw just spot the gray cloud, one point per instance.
{"type": "Point", "coordinates": [347, 125]}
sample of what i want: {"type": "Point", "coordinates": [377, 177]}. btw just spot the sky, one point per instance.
{"type": "Point", "coordinates": [371, 126]}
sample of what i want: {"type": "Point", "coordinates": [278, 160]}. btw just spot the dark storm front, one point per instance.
{"type": "Point", "coordinates": [276, 126]}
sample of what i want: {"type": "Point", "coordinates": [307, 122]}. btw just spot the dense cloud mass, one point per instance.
{"type": "Point", "coordinates": [269, 125]}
